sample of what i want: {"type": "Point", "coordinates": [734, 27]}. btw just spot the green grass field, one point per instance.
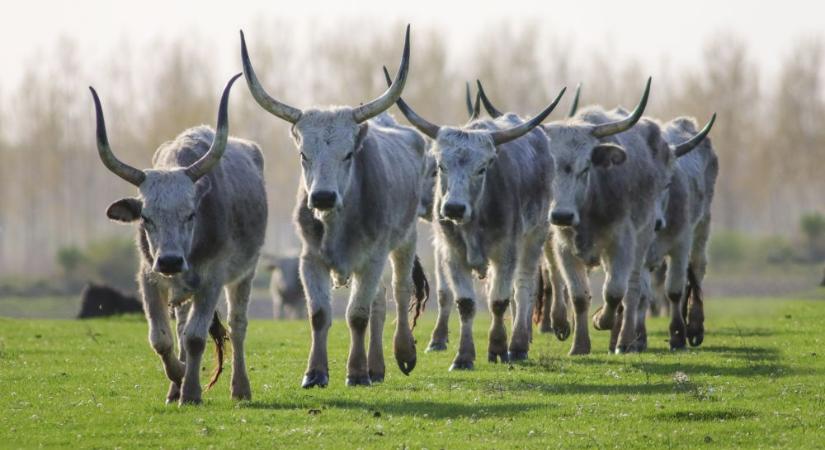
{"type": "Point", "coordinates": [758, 381]}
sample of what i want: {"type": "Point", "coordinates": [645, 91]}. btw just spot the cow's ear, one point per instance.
{"type": "Point", "coordinates": [125, 210]}
{"type": "Point", "coordinates": [202, 187]}
{"type": "Point", "coordinates": [362, 134]}
{"type": "Point", "coordinates": [607, 154]}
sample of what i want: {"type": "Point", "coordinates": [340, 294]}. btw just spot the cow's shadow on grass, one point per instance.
{"type": "Point", "coordinates": [432, 409]}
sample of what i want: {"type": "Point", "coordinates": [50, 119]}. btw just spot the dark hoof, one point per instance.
{"type": "Point", "coordinates": [315, 378]}
{"type": "Point", "coordinates": [406, 366]}
{"type": "Point", "coordinates": [191, 401]}
{"type": "Point", "coordinates": [376, 377]}
{"type": "Point", "coordinates": [461, 365]}
{"type": "Point", "coordinates": [562, 332]}
{"type": "Point", "coordinates": [680, 347]}
{"type": "Point", "coordinates": [602, 321]}
{"type": "Point", "coordinates": [173, 395]}
{"type": "Point", "coordinates": [493, 357]}
{"type": "Point", "coordinates": [622, 349]}
{"type": "Point", "coordinates": [518, 355]}
{"type": "Point", "coordinates": [362, 380]}
{"type": "Point", "coordinates": [437, 347]}
{"type": "Point", "coordinates": [696, 341]}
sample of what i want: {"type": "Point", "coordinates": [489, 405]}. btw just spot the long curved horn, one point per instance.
{"type": "Point", "coordinates": [109, 159]}
{"type": "Point", "coordinates": [428, 128]}
{"type": "Point", "coordinates": [575, 105]}
{"type": "Point", "coordinates": [502, 136]}
{"type": "Point", "coordinates": [488, 105]}
{"type": "Point", "coordinates": [469, 99]}
{"type": "Point", "coordinates": [202, 166]}
{"type": "Point", "coordinates": [268, 103]}
{"type": "Point", "coordinates": [476, 108]}
{"type": "Point", "coordinates": [392, 93]}
{"type": "Point", "coordinates": [618, 126]}
{"type": "Point", "coordinates": [687, 146]}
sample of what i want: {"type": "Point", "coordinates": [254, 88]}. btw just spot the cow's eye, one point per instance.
{"type": "Point", "coordinates": [190, 217]}
{"type": "Point", "coordinates": [584, 172]}
{"type": "Point", "coordinates": [304, 157]}
{"type": "Point", "coordinates": [481, 171]}
{"type": "Point", "coordinates": [147, 222]}
{"type": "Point", "coordinates": [435, 173]}
{"type": "Point", "coordinates": [442, 169]}
{"type": "Point", "coordinates": [348, 157]}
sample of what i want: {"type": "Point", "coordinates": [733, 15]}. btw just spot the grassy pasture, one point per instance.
{"type": "Point", "coordinates": [758, 381]}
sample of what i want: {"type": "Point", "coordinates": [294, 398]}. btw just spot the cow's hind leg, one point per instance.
{"type": "Point", "coordinates": [439, 339]}
{"type": "Point", "coordinates": [237, 296]}
{"type": "Point", "coordinates": [498, 297]}
{"type": "Point", "coordinates": [364, 290]}
{"type": "Point", "coordinates": [527, 267]}
{"type": "Point", "coordinates": [181, 313]}
{"type": "Point", "coordinates": [696, 276]}
{"type": "Point", "coordinates": [195, 333]}
{"type": "Point", "coordinates": [375, 357]}
{"type": "Point", "coordinates": [403, 259]}
{"type": "Point", "coordinates": [575, 278]}
{"type": "Point", "coordinates": [558, 308]}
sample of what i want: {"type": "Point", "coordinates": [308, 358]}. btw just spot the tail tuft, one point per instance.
{"type": "Point", "coordinates": [220, 336]}
{"type": "Point", "coordinates": [422, 290]}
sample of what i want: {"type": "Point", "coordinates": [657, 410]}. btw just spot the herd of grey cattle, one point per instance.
{"type": "Point", "coordinates": [526, 206]}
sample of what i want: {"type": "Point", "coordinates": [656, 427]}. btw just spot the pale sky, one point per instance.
{"type": "Point", "coordinates": [647, 30]}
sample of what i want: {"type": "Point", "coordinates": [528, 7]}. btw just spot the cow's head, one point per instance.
{"type": "Point", "coordinates": [666, 160]}
{"type": "Point", "coordinates": [578, 148]}
{"type": "Point", "coordinates": [463, 155]}
{"type": "Point", "coordinates": [168, 199]}
{"type": "Point", "coordinates": [328, 139]}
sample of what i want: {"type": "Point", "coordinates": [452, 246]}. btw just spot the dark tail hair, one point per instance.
{"type": "Point", "coordinates": [220, 335]}
{"type": "Point", "coordinates": [538, 307]}
{"type": "Point", "coordinates": [422, 290]}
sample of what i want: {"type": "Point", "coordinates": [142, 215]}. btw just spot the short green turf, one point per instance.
{"type": "Point", "coordinates": [757, 381]}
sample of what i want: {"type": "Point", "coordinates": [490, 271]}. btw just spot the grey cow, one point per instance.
{"type": "Point", "coordinates": [683, 230]}
{"type": "Point", "coordinates": [491, 200]}
{"type": "Point", "coordinates": [201, 213]}
{"type": "Point", "coordinates": [285, 287]}
{"type": "Point", "coordinates": [357, 205]}
{"type": "Point", "coordinates": [552, 316]}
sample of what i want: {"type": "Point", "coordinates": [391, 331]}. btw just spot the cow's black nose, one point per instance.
{"type": "Point", "coordinates": [659, 224]}
{"type": "Point", "coordinates": [323, 199]}
{"type": "Point", "coordinates": [170, 264]}
{"type": "Point", "coordinates": [454, 210]}
{"type": "Point", "coordinates": [563, 218]}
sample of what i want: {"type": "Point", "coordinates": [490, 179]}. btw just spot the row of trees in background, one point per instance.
{"type": "Point", "coordinates": [53, 190]}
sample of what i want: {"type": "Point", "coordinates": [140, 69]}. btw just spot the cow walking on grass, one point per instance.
{"type": "Point", "coordinates": [492, 197]}
{"type": "Point", "coordinates": [201, 214]}
{"type": "Point", "coordinates": [286, 289]}
{"type": "Point", "coordinates": [357, 205]}
{"type": "Point", "coordinates": [682, 230]}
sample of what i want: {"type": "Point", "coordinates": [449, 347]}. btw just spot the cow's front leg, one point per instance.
{"type": "Point", "coordinates": [439, 339]}
{"type": "Point", "coordinates": [498, 298]}
{"type": "Point", "coordinates": [317, 284]}
{"type": "Point", "coordinates": [674, 285]}
{"type": "Point", "coordinates": [364, 290]}
{"type": "Point", "coordinates": [630, 339]}
{"type": "Point", "coordinates": [574, 274]}
{"type": "Point", "coordinates": [156, 308]}
{"type": "Point", "coordinates": [618, 263]}
{"type": "Point", "coordinates": [181, 313]}
{"type": "Point", "coordinates": [375, 358]}
{"type": "Point", "coordinates": [527, 267]}
{"type": "Point", "coordinates": [195, 334]}
{"type": "Point", "coordinates": [238, 299]}
{"type": "Point", "coordinates": [460, 279]}
{"type": "Point", "coordinates": [403, 342]}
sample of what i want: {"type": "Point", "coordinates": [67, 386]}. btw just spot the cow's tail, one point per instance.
{"type": "Point", "coordinates": [422, 290]}
{"type": "Point", "coordinates": [219, 334]}
{"type": "Point", "coordinates": [538, 308]}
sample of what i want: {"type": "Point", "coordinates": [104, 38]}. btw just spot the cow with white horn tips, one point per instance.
{"type": "Point", "coordinates": [201, 212]}
{"type": "Point", "coordinates": [357, 206]}
{"type": "Point", "coordinates": [492, 198]}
